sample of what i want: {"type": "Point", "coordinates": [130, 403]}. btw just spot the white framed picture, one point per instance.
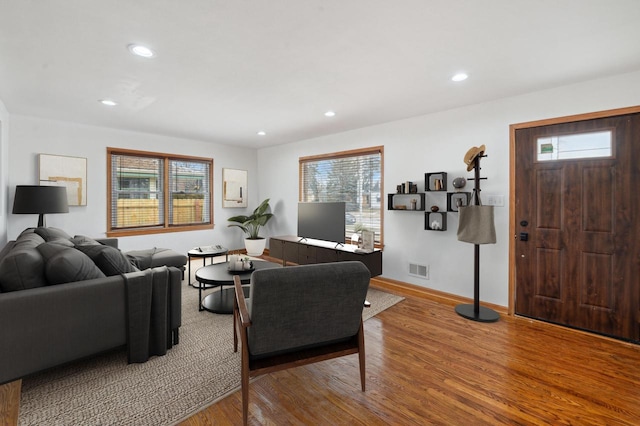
{"type": "Point", "coordinates": [234, 188]}
{"type": "Point", "coordinates": [70, 172]}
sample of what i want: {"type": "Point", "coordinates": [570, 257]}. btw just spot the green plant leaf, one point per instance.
{"type": "Point", "coordinates": [251, 225]}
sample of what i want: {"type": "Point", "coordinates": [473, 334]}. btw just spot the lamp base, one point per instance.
{"type": "Point", "coordinates": [483, 314]}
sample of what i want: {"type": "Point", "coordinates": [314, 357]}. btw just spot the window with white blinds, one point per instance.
{"type": "Point", "coordinates": [151, 192]}
{"type": "Point", "coordinates": [354, 177]}
{"type": "Point", "coordinates": [189, 192]}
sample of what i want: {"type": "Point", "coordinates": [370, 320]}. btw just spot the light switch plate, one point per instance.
{"type": "Point", "coordinates": [495, 200]}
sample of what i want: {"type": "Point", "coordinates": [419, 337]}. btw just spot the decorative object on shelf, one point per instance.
{"type": "Point", "coordinates": [484, 225]}
{"type": "Point", "coordinates": [34, 199]}
{"type": "Point", "coordinates": [435, 181]}
{"type": "Point", "coordinates": [455, 200]}
{"type": "Point", "coordinates": [435, 208]}
{"type": "Point", "coordinates": [70, 172]}
{"type": "Point", "coordinates": [251, 225]}
{"type": "Point", "coordinates": [459, 183]}
{"type": "Point", "coordinates": [435, 221]}
{"type": "Point", "coordinates": [234, 188]}
{"type": "Point", "coordinates": [409, 202]}
{"type": "Point", "coordinates": [407, 187]}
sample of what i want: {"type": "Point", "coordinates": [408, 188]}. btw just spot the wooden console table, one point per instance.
{"type": "Point", "coordinates": [304, 251]}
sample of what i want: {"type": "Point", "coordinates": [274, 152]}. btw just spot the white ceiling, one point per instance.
{"type": "Point", "coordinates": [226, 69]}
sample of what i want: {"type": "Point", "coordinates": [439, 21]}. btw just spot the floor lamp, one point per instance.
{"type": "Point", "coordinates": [34, 199]}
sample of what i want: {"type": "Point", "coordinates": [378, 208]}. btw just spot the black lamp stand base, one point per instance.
{"type": "Point", "coordinates": [483, 314]}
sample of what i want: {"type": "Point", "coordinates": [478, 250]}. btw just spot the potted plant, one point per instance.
{"type": "Point", "coordinates": [251, 225]}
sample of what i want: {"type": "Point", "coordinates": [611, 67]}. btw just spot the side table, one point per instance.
{"type": "Point", "coordinates": [204, 252]}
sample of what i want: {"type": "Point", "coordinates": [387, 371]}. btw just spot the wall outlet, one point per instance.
{"type": "Point", "coordinates": [494, 200]}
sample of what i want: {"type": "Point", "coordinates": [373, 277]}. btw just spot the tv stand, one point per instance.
{"type": "Point", "coordinates": [305, 251]}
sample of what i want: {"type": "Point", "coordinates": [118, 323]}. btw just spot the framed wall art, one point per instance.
{"type": "Point", "coordinates": [234, 188]}
{"type": "Point", "coordinates": [70, 172]}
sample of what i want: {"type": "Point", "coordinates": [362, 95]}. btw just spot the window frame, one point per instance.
{"type": "Point", "coordinates": [165, 227]}
{"type": "Point", "coordinates": [346, 154]}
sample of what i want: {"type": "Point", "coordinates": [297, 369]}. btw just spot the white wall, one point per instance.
{"type": "Point", "coordinates": [32, 136]}
{"type": "Point", "coordinates": [430, 143]}
{"type": "Point", "coordinates": [4, 171]}
{"type": "Point", "coordinates": [433, 143]}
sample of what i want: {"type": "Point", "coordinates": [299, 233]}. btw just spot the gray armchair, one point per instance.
{"type": "Point", "coordinates": [299, 315]}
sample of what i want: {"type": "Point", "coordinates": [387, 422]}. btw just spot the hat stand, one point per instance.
{"type": "Point", "coordinates": [476, 312]}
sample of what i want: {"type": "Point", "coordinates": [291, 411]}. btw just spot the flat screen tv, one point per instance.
{"type": "Point", "coordinates": [322, 221]}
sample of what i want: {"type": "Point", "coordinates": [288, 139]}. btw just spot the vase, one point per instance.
{"type": "Point", "coordinates": [255, 247]}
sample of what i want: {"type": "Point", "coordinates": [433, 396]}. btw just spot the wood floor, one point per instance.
{"type": "Point", "coordinates": [427, 365]}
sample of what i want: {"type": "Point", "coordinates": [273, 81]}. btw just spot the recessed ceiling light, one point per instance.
{"type": "Point", "coordinates": [262, 133]}
{"type": "Point", "coordinates": [108, 102]}
{"type": "Point", "coordinates": [140, 50]}
{"type": "Point", "coordinates": [330, 114]}
{"type": "Point", "coordinates": [460, 77]}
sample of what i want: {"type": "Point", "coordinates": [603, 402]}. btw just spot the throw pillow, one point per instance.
{"type": "Point", "coordinates": [81, 240]}
{"type": "Point", "coordinates": [21, 269]}
{"type": "Point", "coordinates": [27, 231]}
{"type": "Point", "coordinates": [52, 234]}
{"type": "Point", "coordinates": [65, 264]}
{"type": "Point", "coordinates": [22, 265]}
{"type": "Point", "coordinates": [110, 260]}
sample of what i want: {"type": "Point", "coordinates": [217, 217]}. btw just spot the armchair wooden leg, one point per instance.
{"type": "Point", "coordinates": [245, 393]}
{"type": "Point", "coordinates": [362, 357]}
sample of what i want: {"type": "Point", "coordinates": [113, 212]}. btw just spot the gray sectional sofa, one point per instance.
{"type": "Point", "coordinates": [64, 298]}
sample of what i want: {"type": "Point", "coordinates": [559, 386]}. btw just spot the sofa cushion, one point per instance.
{"type": "Point", "coordinates": [110, 260]}
{"type": "Point", "coordinates": [22, 266]}
{"type": "Point", "coordinates": [65, 264]}
{"type": "Point", "coordinates": [50, 234]}
{"type": "Point", "coordinates": [151, 258]}
{"type": "Point", "coordinates": [81, 240]}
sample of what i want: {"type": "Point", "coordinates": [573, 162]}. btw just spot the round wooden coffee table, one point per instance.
{"type": "Point", "coordinates": [218, 274]}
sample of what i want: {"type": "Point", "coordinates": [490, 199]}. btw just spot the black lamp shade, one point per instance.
{"type": "Point", "coordinates": [34, 199]}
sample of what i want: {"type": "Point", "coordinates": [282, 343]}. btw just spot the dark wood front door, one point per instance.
{"type": "Point", "coordinates": [577, 226]}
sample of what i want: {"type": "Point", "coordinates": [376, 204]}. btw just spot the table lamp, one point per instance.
{"type": "Point", "coordinates": [34, 199]}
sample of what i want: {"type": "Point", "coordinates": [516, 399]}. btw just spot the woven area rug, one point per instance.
{"type": "Point", "coordinates": [105, 390]}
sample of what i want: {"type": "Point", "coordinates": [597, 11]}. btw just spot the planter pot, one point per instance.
{"type": "Point", "coordinates": [255, 247]}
